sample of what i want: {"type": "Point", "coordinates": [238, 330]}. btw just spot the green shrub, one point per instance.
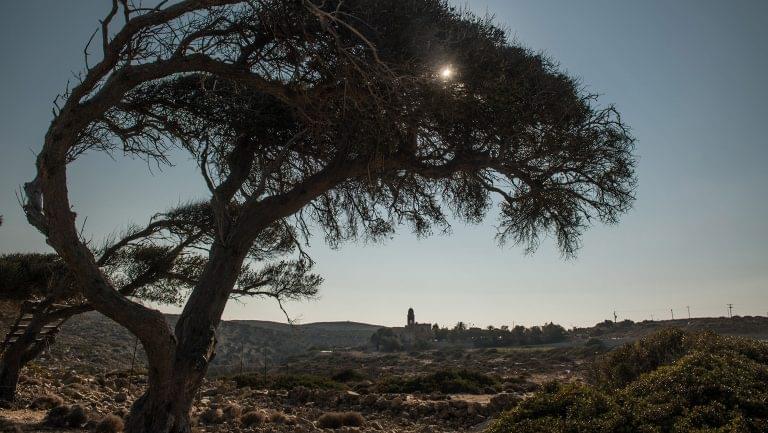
{"type": "Point", "coordinates": [348, 375]}
{"type": "Point", "coordinates": [286, 381]}
{"type": "Point", "coordinates": [563, 408]}
{"type": "Point", "coordinates": [673, 382]}
{"type": "Point", "coordinates": [702, 391]}
{"type": "Point", "coordinates": [625, 364]}
{"type": "Point", "coordinates": [444, 381]}
{"type": "Point", "coordinates": [290, 381]}
{"type": "Point", "coordinates": [252, 380]}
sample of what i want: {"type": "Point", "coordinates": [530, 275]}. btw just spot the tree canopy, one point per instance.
{"type": "Point", "coordinates": [332, 116]}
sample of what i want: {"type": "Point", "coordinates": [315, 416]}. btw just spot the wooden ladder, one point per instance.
{"type": "Point", "coordinates": [29, 311]}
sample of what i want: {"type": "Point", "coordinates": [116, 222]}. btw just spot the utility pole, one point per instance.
{"type": "Point", "coordinates": [730, 311]}
{"type": "Point", "coordinates": [615, 317]}
{"type": "Point", "coordinates": [672, 312]}
{"type": "Point", "coordinates": [689, 311]}
{"type": "Point", "coordinates": [651, 317]}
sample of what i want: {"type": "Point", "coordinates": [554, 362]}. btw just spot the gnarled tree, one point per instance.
{"type": "Point", "coordinates": [352, 117]}
{"type": "Point", "coordinates": [158, 263]}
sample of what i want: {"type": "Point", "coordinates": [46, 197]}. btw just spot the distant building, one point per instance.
{"type": "Point", "coordinates": [414, 331]}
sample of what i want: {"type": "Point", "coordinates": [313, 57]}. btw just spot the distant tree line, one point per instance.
{"type": "Point", "coordinates": [503, 336]}
{"type": "Point", "coordinates": [386, 340]}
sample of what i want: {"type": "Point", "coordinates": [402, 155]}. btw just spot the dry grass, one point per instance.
{"type": "Point", "coordinates": [336, 420]}
{"type": "Point", "coordinates": [232, 411]}
{"type": "Point", "coordinates": [110, 424]}
{"type": "Point", "coordinates": [252, 418]}
{"type": "Point", "coordinates": [48, 401]}
{"type": "Point", "coordinates": [212, 416]}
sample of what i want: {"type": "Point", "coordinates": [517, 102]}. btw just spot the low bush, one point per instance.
{"type": "Point", "coordinates": [212, 416]}
{"type": "Point", "coordinates": [47, 401]}
{"type": "Point", "coordinates": [673, 382]}
{"type": "Point", "coordinates": [563, 408]}
{"type": "Point", "coordinates": [348, 375]}
{"type": "Point", "coordinates": [702, 391]}
{"type": "Point", "coordinates": [278, 418]}
{"type": "Point", "coordinates": [625, 364]}
{"type": "Point", "coordinates": [251, 380]}
{"type": "Point", "coordinates": [66, 416]}
{"type": "Point", "coordinates": [444, 381]}
{"type": "Point", "coordinates": [76, 416]}
{"type": "Point", "coordinates": [286, 381]}
{"type": "Point", "coordinates": [253, 418]}
{"type": "Point", "coordinates": [56, 417]}
{"type": "Point", "coordinates": [232, 411]}
{"type": "Point", "coordinates": [336, 420]}
{"type": "Point", "coordinates": [110, 424]}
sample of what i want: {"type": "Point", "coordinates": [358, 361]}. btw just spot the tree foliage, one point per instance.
{"type": "Point", "coordinates": [501, 337]}
{"type": "Point", "coordinates": [330, 116]}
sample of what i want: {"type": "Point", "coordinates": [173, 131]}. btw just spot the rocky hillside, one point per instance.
{"type": "Point", "coordinates": [95, 342]}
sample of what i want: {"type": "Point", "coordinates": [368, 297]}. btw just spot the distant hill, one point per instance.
{"type": "Point", "coordinates": [93, 341]}
{"type": "Point", "coordinates": [626, 331]}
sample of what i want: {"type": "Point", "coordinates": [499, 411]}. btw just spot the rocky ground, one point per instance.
{"type": "Point", "coordinates": [221, 407]}
{"type": "Point", "coordinates": [47, 391]}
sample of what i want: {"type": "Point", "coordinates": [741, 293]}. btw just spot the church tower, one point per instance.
{"type": "Point", "coordinates": [411, 317]}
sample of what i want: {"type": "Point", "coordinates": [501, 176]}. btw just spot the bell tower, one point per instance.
{"type": "Point", "coordinates": [411, 317]}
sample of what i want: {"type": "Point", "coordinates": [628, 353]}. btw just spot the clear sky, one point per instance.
{"type": "Point", "coordinates": [689, 76]}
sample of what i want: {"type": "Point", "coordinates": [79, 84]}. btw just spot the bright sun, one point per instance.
{"type": "Point", "coordinates": [446, 72]}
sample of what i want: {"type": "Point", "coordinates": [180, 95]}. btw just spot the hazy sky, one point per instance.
{"type": "Point", "coordinates": [690, 77]}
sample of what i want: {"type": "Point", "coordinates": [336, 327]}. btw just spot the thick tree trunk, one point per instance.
{"type": "Point", "coordinates": [165, 406]}
{"type": "Point", "coordinates": [10, 369]}
{"type": "Point", "coordinates": [19, 353]}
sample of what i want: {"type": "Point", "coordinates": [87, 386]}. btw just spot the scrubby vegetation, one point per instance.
{"type": "Point", "coordinates": [286, 381]}
{"type": "Point", "coordinates": [670, 382]}
{"type": "Point", "coordinates": [212, 416]}
{"type": "Point", "coordinates": [278, 417]}
{"type": "Point", "coordinates": [625, 364]}
{"type": "Point", "coordinates": [336, 420]}
{"type": "Point", "coordinates": [253, 418]}
{"type": "Point", "coordinates": [348, 375]}
{"type": "Point", "coordinates": [444, 381]}
{"type": "Point", "coordinates": [47, 401]}
{"type": "Point", "coordinates": [110, 424]}
{"type": "Point", "coordinates": [66, 416]}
